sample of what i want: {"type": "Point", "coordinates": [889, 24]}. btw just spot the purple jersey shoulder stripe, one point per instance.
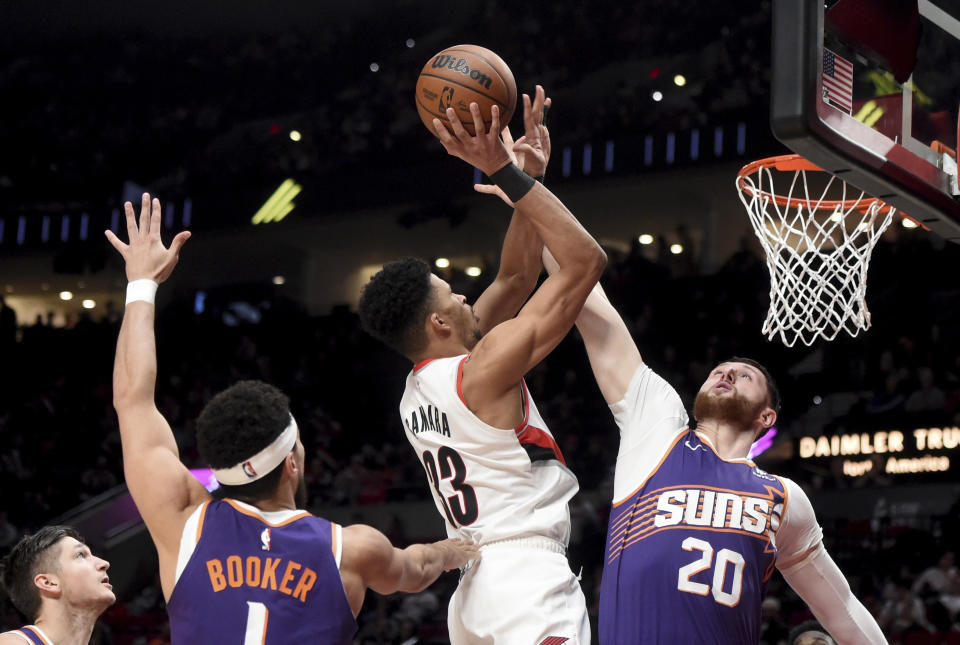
{"type": "Point", "coordinates": [32, 634]}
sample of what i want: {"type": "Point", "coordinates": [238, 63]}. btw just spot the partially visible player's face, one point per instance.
{"type": "Point", "coordinates": [813, 638]}
{"type": "Point", "coordinates": [734, 392]}
{"type": "Point", "coordinates": [300, 497]}
{"type": "Point", "coordinates": [460, 315]}
{"type": "Point", "coordinates": [83, 576]}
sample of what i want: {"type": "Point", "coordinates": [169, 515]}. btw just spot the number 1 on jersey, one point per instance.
{"type": "Point", "coordinates": [256, 633]}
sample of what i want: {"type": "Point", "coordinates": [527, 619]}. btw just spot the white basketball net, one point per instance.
{"type": "Point", "coordinates": [817, 253]}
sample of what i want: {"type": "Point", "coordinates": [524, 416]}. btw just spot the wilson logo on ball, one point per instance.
{"type": "Point", "coordinates": [459, 65]}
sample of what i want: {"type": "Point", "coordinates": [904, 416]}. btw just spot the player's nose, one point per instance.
{"type": "Point", "coordinates": [102, 564]}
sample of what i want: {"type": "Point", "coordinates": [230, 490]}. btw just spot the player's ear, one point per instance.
{"type": "Point", "coordinates": [290, 463]}
{"type": "Point", "coordinates": [437, 324]}
{"type": "Point", "coordinates": [768, 417]}
{"type": "Point", "coordinates": [48, 583]}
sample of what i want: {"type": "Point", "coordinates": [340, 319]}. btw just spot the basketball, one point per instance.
{"type": "Point", "coordinates": [461, 75]}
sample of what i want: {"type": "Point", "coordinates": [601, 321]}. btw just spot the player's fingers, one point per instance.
{"type": "Point", "coordinates": [528, 118]}
{"type": "Point", "coordinates": [442, 133]}
{"type": "Point", "coordinates": [486, 189]}
{"type": "Point", "coordinates": [155, 214]}
{"type": "Point", "coordinates": [458, 130]}
{"type": "Point", "coordinates": [478, 126]}
{"type": "Point", "coordinates": [538, 102]}
{"type": "Point", "coordinates": [145, 214]}
{"type": "Point", "coordinates": [131, 220]}
{"type": "Point", "coordinates": [178, 242]}
{"type": "Point", "coordinates": [115, 241]}
{"type": "Point", "coordinates": [494, 118]}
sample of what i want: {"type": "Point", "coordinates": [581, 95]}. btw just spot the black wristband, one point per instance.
{"type": "Point", "coordinates": [540, 179]}
{"type": "Point", "coordinates": [513, 182]}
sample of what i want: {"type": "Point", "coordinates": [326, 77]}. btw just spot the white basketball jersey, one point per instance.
{"type": "Point", "coordinates": [488, 483]}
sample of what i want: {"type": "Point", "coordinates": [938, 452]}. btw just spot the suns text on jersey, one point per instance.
{"type": "Point", "coordinates": [292, 579]}
{"type": "Point", "coordinates": [716, 509]}
{"type": "Point", "coordinates": [430, 419]}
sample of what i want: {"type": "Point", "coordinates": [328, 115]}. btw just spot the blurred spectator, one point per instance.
{"type": "Point", "coordinates": [773, 631]}
{"type": "Point", "coordinates": [902, 612]}
{"type": "Point", "coordinates": [929, 397]}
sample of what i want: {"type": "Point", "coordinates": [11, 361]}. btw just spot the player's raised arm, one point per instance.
{"type": "Point", "coordinates": [613, 354]}
{"type": "Point", "coordinates": [159, 483]}
{"type": "Point", "coordinates": [520, 256]}
{"type": "Point", "coordinates": [812, 573]}
{"type": "Point", "coordinates": [509, 351]}
{"type": "Point", "coordinates": [371, 562]}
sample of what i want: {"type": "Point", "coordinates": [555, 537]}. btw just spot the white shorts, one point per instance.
{"type": "Point", "coordinates": [521, 592]}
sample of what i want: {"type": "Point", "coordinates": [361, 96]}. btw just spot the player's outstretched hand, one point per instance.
{"type": "Point", "coordinates": [533, 148]}
{"type": "Point", "coordinates": [145, 255]}
{"type": "Point", "coordinates": [458, 553]}
{"type": "Point", "coordinates": [485, 150]}
{"type": "Point", "coordinates": [531, 152]}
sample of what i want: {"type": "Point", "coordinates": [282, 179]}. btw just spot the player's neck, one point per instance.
{"type": "Point", "coordinates": [440, 349]}
{"type": "Point", "coordinates": [730, 442]}
{"type": "Point", "coordinates": [282, 501]}
{"type": "Point", "coordinates": [66, 625]}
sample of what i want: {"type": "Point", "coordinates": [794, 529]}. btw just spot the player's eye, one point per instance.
{"type": "Point", "coordinates": [746, 375]}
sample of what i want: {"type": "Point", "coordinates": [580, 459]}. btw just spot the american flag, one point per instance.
{"type": "Point", "coordinates": [837, 81]}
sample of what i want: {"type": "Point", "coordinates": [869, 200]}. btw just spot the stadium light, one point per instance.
{"type": "Point", "coordinates": [279, 205]}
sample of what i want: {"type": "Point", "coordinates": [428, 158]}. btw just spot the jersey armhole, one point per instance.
{"type": "Point", "coordinates": [189, 539]}
{"type": "Point", "coordinates": [18, 632]}
{"type": "Point", "coordinates": [336, 542]}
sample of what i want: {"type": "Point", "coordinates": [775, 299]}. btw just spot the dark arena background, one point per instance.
{"type": "Point", "coordinates": [216, 106]}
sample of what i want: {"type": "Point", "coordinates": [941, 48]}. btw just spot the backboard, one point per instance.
{"type": "Point", "coordinates": [869, 91]}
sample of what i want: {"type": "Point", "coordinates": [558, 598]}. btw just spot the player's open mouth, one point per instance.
{"type": "Point", "coordinates": [723, 385]}
{"type": "Point", "coordinates": [106, 581]}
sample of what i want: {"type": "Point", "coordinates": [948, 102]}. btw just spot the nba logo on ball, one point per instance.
{"type": "Point", "coordinates": [248, 470]}
{"type": "Point", "coordinates": [476, 75]}
{"type": "Point", "coordinates": [446, 98]}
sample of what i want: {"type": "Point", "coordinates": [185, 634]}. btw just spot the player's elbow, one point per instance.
{"type": "Point", "coordinates": [597, 263]}
{"type": "Point", "coordinates": [592, 267]}
{"type": "Point", "coordinates": [132, 391]}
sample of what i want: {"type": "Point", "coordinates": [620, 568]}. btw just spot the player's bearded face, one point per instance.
{"type": "Point", "coordinates": [731, 407]}
{"type": "Point", "coordinates": [469, 331]}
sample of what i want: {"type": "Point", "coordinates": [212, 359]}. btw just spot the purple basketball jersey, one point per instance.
{"type": "Point", "coordinates": [689, 553]}
{"type": "Point", "coordinates": [254, 581]}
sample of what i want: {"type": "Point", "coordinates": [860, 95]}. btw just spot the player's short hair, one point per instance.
{"type": "Point", "coordinates": [772, 392]}
{"type": "Point", "coordinates": [808, 626]}
{"type": "Point", "coordinates": [394, 304]}
{"type": "Point", "coordinates": [238, 423]}
{"type": "Point", "coordinates": [33, 554]}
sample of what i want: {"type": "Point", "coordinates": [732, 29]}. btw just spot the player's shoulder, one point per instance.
{"type": "Point", "coordinates": [792, 489]}
{"type": "Point", "coordinates": [363, 544]}
{"type": "Point", "coordinates": [14, 637]}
